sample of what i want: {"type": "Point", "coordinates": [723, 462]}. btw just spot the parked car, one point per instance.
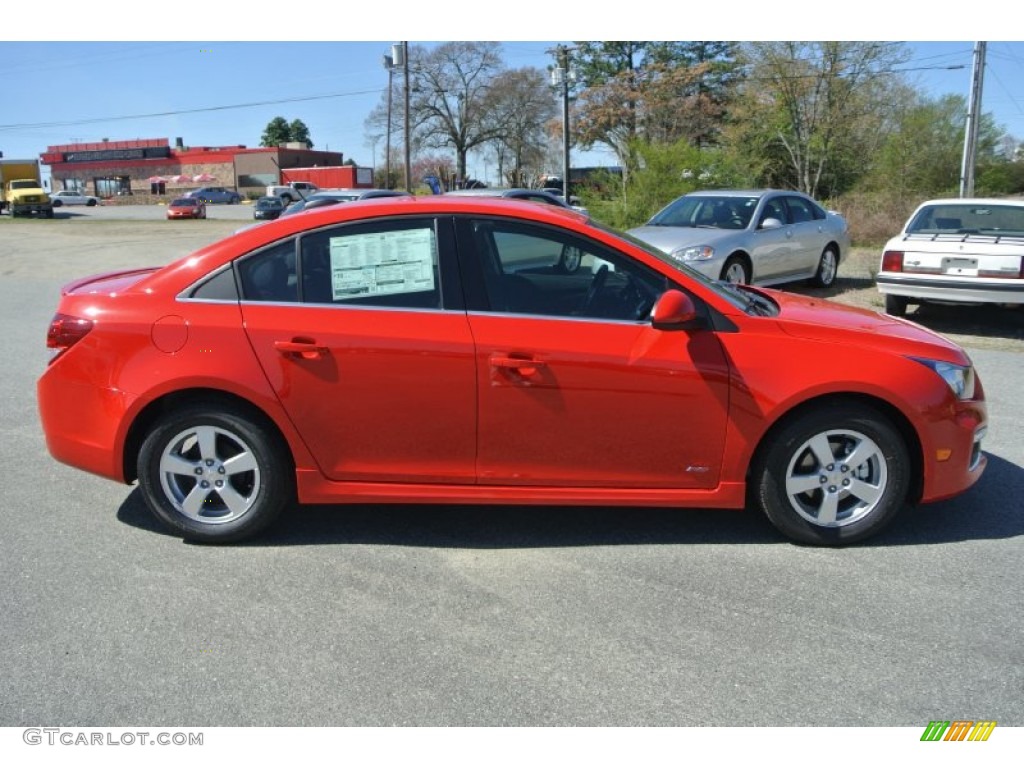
{"type": "Point", "coordinates": [961, 250]}
{"type": "Point", "coordinates": [215, 195]}
{"type": "Point", "coordinates": [333, 196]}
{"type": "Point", "coordinates": [186, 208]}
{"type": "Point", "coordinates": [433, 350]}
{"type": "Point", "coordinates": [69, 197]}
{"type": "Point", "coordinates": [517, 193]}
{"type": "Point", "coordinates": [267, 207]}
{"type": "Point", "coordinates": [761, 236]}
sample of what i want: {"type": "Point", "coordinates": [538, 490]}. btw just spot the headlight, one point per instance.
{"type": "Point", "coordinates": [960, 378]}
{"type": "Point", "coordinates": [694, 253]}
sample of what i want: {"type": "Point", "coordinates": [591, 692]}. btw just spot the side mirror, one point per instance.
{"type": "Point", "coordinates": [771, 223]}
{"type": "Point", "coordinates": [675, 311]}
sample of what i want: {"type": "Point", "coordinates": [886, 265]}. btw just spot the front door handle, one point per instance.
{"type": "Point", "coordinates": [523, 366]}
{"type": "Point", "coordinates": [307, 349]}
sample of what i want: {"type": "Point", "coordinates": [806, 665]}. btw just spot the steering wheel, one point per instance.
{"type": "Point", "coordinates": [596, 287]}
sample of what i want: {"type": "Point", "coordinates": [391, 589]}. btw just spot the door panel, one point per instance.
{"type": "Point", "coordinates": [377, 395]}
{"type": "Point", "coordinates": [574, 402]}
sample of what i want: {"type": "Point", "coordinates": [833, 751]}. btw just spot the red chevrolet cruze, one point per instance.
{"type": "Point", "coordinates": [483, 350]}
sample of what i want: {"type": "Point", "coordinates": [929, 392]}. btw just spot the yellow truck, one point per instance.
{"type": "Point", "coordinates": [21, 189]}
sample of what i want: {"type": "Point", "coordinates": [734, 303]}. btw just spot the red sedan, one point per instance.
{"type": "Point", "coordinates": [490, 351]}
{"type": "Point", "coordinates": [186, 208]}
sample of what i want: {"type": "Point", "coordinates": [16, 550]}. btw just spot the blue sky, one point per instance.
{"type": "Point", "coordinates": [65, 91]}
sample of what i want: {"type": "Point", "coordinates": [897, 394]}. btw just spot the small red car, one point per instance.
{"type": "Point", "coordinates": [479, 350]}
{"type": "Point", "coordinates": [186, 208]}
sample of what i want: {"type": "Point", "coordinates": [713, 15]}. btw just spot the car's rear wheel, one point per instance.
{"type": "Point", "coordinates": [214, 474]}
{"type": "Point", "coordinates": [90, 203]}
{"type": "Point", "coordinates": [735, 271]}
{"type": "Point", "coordinates": [895, 305]}
{"type": "Point", "coordinates": [828, 267]}
{"type": "Point", "coordinates": [833, 475]}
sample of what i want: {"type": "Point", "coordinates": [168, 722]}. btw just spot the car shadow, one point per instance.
{"type": "Point", "coordinates": [987, 320]}
{"type": "Point", "coordinates": [986, 511]}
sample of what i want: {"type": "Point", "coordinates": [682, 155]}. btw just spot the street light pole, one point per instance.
{"type": "Point", "coordinates": [408, 158]}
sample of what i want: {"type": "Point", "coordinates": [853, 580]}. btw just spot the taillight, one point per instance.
{"type": "Point", "coordinates": [892, 261]}
{"type": "Point", "coordinates": [65, 331]}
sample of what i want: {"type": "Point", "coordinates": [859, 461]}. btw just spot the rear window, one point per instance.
{"type": "Point", "coordinates": [969, 219]}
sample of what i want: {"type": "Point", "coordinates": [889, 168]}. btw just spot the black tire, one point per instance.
{"type": "Point", "coordinates": [58, 203]}
{"type": "Point", "coordinates": [90, 203]}
{"type": "Point", "coordinates": [735, 270]}
{"type": "Point", "coordinates": [215, 444]}
{"type": "Point", "coordinates": [818, 499]}
{"type": "Point", "coordinates": [828, 268]}
{"type": "Point", "coordinates": [895, 305]}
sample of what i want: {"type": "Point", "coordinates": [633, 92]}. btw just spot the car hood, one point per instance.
{"type": "Point", "coordinates": [831, 322]}
{"type": "Point", "coordinates": [670, 239]}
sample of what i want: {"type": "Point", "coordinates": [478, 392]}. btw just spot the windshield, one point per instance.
{"type": "Point", "coordinates": [25, 184]}
{"type": "Point", "coordinates": [725, 291]}
{"type": "Point", "coordinates": [714, 211]}
{"type": "Point", "coordinates": [184, 202]}
{"type": "Point", "coordinates": [969, 219]}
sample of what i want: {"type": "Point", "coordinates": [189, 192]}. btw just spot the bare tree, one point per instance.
{"type": "Point", "coordinates": [815, 105]}
{"type": "Point", "coordinates": [521, 104]}
{"type": "Point", "coordinates": [451, 103]}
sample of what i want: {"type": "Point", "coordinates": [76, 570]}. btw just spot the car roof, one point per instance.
{"type": "Point", "coordinates": [974, 201]}
{"type": "Point", "coordinates": [493, 191]}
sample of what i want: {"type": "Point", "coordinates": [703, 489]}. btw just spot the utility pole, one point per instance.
{"type": "Point", "coordinates": [973, 118]}
{"type": "Point", "coordinates": [562, 75]}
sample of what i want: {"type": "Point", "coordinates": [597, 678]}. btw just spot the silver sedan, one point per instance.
{"type": "Point", "coordinates": [762, 236]}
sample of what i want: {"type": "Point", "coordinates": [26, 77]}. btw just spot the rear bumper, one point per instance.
{"type": "Point", "coordinates": [961, 291]}
{"type": "Point", "coordinates": [80, 423]}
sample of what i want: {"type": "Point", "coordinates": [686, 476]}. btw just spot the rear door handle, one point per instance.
{"type": "Point", "coordinates": [307, 349]}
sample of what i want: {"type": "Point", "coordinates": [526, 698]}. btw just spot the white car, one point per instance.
{"type": "Point", "coordinates": [70, 197]}
{"type": "Point", "coordinates": [960, 250]}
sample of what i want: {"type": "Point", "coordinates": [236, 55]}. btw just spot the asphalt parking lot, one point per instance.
{"type": "Point", "coordinates": [394, 615]}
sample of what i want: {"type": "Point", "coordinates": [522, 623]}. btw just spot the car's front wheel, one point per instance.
{"type": "Point", "coordinates": [58, 203]}
{"type": "Point", "coordinates": [91, 203]}
{"type": "Point", "coordinates": [735, 271]}
{"type": "Point", "coordinates": [214, 474]}
{"type": "Point", "coordinates": [835, 474]}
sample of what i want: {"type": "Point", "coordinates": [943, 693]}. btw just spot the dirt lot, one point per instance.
{"type": "Point", "coordinates": [55, 248]}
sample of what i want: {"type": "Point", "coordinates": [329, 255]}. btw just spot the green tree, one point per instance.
{"type": "Point", "coordinates": [298, 131]}
{"type": "Point", "coordinates": [280, 131]}
{"type": "Point", "coordinates": [276, 133]}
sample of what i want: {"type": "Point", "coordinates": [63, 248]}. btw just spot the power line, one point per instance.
{"type": "Point", "coordinates": [85, 121]}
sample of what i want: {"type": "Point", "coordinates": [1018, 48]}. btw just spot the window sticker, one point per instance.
{"type": "Point", "coordinates": [382, 263]}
